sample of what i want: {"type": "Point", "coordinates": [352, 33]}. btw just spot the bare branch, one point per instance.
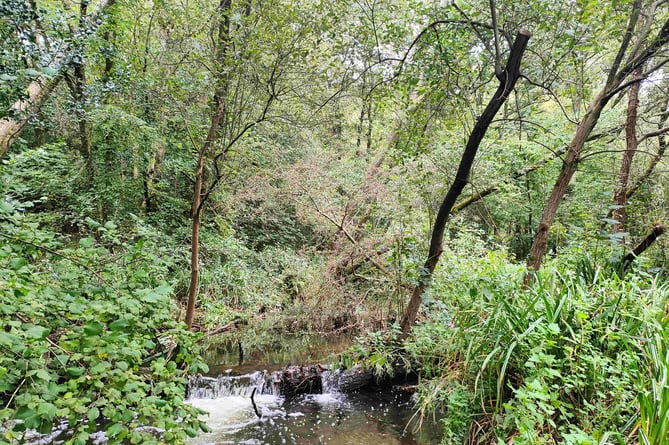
{"type": "Point", "coordinates": [495, 32]}
{"type": "Point", "coordinates": [627, 38]}
{"type": "Point", "coordinates": [346, 233]}
{"type": "Point", "coordinates": [652, 134]}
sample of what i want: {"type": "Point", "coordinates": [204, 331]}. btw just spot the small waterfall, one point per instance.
{"type": "Point", "coordinates": [201, 387]}
{"type": "Point", "coordinates": [232, 404]}
{"type": "Point", "coordinates": [331, 382]}
{"type": "Point", "coordinates": [289, 382]}
{"type": "Point", "coordinates": [300, 405]}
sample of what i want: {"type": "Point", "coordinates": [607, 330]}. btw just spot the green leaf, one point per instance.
{"type": "Point", "coordinates": [93, 413]}
{"type": "Point", "coordinates": [91, 222]}
{"type": "Point", "coordinates": [38, 332]}
{"type": "Point", "coordinates": [119, 325]}
{"type": "Point", "coordinates": [32, 72]}
{"type": "Point", "coordinates": [115, 429]}
{"type": "Point", "coordinates": [49, 71]}
{"type": "Point", "coordinates": [6, 207]}
{"type": "Point", "coordinates": [191, 432]}
{"type": "Point", "coordinates": [100, 368]}
{"type": "Point", "coordinates": [43, 374]}
{"type": "Point", "coordinates": [48, 410]}
{"type": "Point", "coordinates": [8, 339]}
{"type": "Point", "coordinates": [81, 438]}
{"type": "Point", "coordinates": [76, 371]}
{"type": "Point", "coordinates": [18, 263]}
{"type": "Point", "coordinates": [45, 427]}
{"type": "Point", "coordinates": [93, 328]}
{"type": "Point", "coordinates": [86, 243]}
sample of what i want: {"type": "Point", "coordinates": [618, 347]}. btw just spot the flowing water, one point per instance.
{"type": "Point", "coordinates": [378, 417]}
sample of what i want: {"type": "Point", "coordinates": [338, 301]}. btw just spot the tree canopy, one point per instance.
{"type": "Point", "coordinates": [169, 168]}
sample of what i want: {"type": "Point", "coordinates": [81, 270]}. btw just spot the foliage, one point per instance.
{"type": "Point", "coordinates": [378, 351]}
{"type": "Point", "coordinates": [654, 387]}
{"type": "Point", "coordinates": [89, 341]}
{"type": "Point", "coordinates": [558, 363]}
{"type": "Point", "coordinates": [342, 131]}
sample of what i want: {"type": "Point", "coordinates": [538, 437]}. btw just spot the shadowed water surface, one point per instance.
{"type": "Point", "coordinates": [372, 417]}
{"type": "Point", "coordinates": [377, 418]}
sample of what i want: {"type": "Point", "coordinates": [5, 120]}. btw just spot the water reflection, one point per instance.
{"type": "Point", "coordinates": [296, 350]}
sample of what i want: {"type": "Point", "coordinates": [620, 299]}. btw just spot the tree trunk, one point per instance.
{"type": "Point", "coordinates": [200, 190]}
{"type": "Point", "coordinates": [614, 84]}
{"type": "Point", "coordinates": [620, 194]}
{"type": "Point", "coordinates": [195, 242]}
{"type": "Point", "coordinates": [507, 79]}
{"type": "Point", "coordinates": [39, 91]}
{"type": "Point", "coordinates": [540, 244]}
{"type": "Point", "coordinates": [642, 246]}
{"type": "Point", "coordinates": [11, 127]}
{"type": "Point", "coordinates": [196, 213]}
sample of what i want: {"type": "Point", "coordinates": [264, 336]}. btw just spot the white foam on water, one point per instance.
{"type": "Point", "coordinates": [229, 414]}
{"type": "Point", "coordinates": [327, 399]}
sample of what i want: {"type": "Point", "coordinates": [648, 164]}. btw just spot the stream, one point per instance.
{"type": "Point", "coordinates": [382, 416]}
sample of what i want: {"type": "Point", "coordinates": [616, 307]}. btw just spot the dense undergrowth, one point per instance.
{"type": "Point", "coordinates": [89, 339]}
{"type": "Point", "coordinates": [580, 357]}
{"type": "Point", "coordinates": [89, 307]}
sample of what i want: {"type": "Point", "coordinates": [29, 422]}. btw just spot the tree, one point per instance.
{"type": "Point", "coordinates": [507, 81]}
{"type": "Point", "coordinates": [220, 102]}
{"type": "Point", "coordinates": [263, 56]}
{"type": "Point", "coordinates": [39, 90]}
{"type": "Point", "coordinates": [627, 60]}
{"type": "Point", "coordinates": [631, 143]}
{"type": "Point", "coordinates": [12, 127]}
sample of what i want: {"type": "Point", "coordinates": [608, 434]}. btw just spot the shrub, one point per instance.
{"type": "Point", "coordinates": [566, 361]}
{"type": "Point", "coordinates": [89, 338]}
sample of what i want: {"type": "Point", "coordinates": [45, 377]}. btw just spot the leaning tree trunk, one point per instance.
{"type": "Point", "coordinates": [11, 127]}
{"type": "Point", "coordinates": [614, 84]}
{"type": "Point", "coordinates": [570, 162]}
{"type": "Point", "coordinates": [507, 81]}
{"type": "Point", "coordinates": [631, 143]}
{"type": "Point", "coordinates": [648, 241]}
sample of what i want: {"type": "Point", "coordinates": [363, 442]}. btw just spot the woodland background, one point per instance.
{"type": "Point", "coordinates": [280, 165]}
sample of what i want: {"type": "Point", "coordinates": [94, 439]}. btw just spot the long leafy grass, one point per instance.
{"type": "Point", "coordinates": [577, 358]}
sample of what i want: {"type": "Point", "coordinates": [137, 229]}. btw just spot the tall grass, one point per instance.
{"type": "Point", "coordinates": [577, 358]}
{"type": "Point", "coordinates": [653, 421]}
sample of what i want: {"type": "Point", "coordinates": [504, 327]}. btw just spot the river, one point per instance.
{"type": "Point", "coordinates": [381, 416]}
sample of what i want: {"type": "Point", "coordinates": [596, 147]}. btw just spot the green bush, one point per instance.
{"type": "Point", "coordinates": [89, 337]}
{"type": "Point", "coordinates": [566, 361]}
